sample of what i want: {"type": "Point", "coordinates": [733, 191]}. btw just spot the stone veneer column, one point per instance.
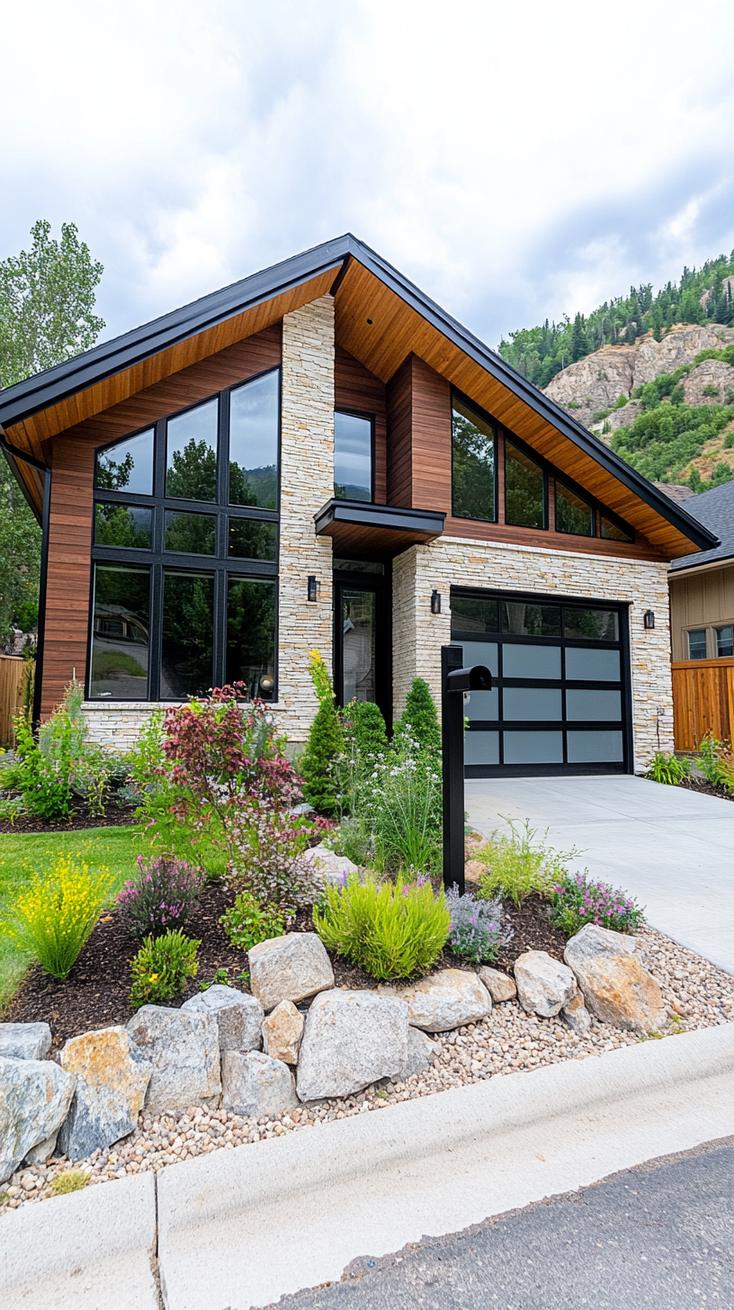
{"type": "Point", "coordinates": [306, 483]}
{"type": "Point", "coordinates": [418, 635]}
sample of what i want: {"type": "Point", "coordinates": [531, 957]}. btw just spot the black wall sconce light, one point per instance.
{"type": "Point", "coordinates": [435, 602]}
{"type": "Point", "coordinates": [648, 619]}
{"type": "Point", "coordinates": [313, 587]}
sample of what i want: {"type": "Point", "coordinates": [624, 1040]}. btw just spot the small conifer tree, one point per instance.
{"type": "Point", "coordinates": [419, 720]}
{"type": "Point", "coordinates": [324, 745]}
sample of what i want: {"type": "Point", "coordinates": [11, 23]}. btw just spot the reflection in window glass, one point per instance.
{"type": "Point", "coordinates": [527, 619]}
{"type": "Point", "coordinates": [251, 635]}
{"type": "Point", "coordinates": [120, 633]}
{"type": "Point", "coordinates": [596, 624]}
{"type": "Point", "coordinates": [253, 443]}
{"type": "Point", "coordinates": [190, 534]}
{"type": "Point", "coordinates": [725, 641]}
{"type": "Point", "coordinates": [358, 644]}
{"type": "Point", "coordinates": [123, 525]}
{"type": "Point", "coordinates": [614, 531]}
{"type": "Point", "coordinates": [352, 457]}
{"type": "Point", "coordinates": [697, 644]}
{"type": "Point", "coordinates": [250, 539]}
{"type": "Point", "coordinates": [473, 614]}
{"type": "Point", "coordinates": [524, 489]}
{"type": "Point", "coordinates": [573, 514]}
{"type": "Point", "coordinates": [187, 639]}
{"type": "Point", "coordinates": [474, 462]}
{"type": "Point", "coordinates": [191, 468]}
{"type": "Point", "coordinates": [127, 466]}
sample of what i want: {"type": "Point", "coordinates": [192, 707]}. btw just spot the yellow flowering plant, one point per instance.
{"type": "Point", "coordinates": [53, 917]}
{"type": "Point", "coordinates": [162, 967]}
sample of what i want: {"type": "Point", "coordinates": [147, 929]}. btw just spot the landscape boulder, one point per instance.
{"type": "Point", "coordinates": [25, 1041]}
{"type": "Point", "coordinates": [544, 985]}
{"type": "Point", "coordinates": [351, 1039]}
{"type": "Point", "coordinates": [576, 1015]}
{"type": "Point", "coordinates": [500, 986]}
{"type": "Point", "coordinates": [327, 866]}
{"type": "Point", "coordinates": [617, 987]}
{"type": "Point", "coordinates": [256, 1085]}
{"type": "Point", "coordinates": [282, 1032]}
{"type": "Point", "coordinates": [447, 999]}
{"type": "Point", "coordinates": [420, 1055]}
{"type": "Point", "coordinates": [35, 1096]}
{"type": "Point", "coordinates": [182, 1047]}
{"type": "Point", "coordinates": [111, 1081]}
{"type": "Point", "coordinates": [289, 968]}
{"type": "Point", "coordinates": [239, 1016]}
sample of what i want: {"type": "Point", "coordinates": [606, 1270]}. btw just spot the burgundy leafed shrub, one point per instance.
{"type": "Point", "coordinates": [161, 897]}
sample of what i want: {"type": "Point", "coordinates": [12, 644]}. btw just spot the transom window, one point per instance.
{"type": "Point", "coordinates": [185, 551]}
{"type": "Point", "coordinates": [485, 457]}
{"type": "Point", "coordinates": [353, 442]}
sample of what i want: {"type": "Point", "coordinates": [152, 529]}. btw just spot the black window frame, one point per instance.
{"type": "Point", "coordinates": [496, 428]}
{"type": "Point", "coordinates": [220, 565]}
{"type": "Point", "coordinates": [367, 418]}
{"type": "Point", "coordinates": [545, 472]}
{"type": "Point", "coordinates": [568, 486]}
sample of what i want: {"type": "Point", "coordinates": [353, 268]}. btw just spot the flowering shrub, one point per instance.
{"type": "Point", "coordinates": [267, 846]}
{"type": "Point", "coordinates": [162, 896]}
{"type": "Point", "coordinates": [246, 922]}
{"type": "Point", "coordinates": [578, 899]}
{"type": "Point", "coordinates": [392, 930]}
{"type": "Point", "coordinates": [162, 967]}
{"type": "Point", "coordinates": [54, 916]}
{"type": "Point", "coordinates": [404, 806]}
{"type": "Point", "coordinates": [478, 930]}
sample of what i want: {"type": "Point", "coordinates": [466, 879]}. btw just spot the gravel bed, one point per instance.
{"type": "Point", "coordinates": [697, 993]}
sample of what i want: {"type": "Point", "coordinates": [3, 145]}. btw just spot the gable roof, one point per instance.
{"type": "Point", "coordinates": [715, 509]}
{"type": "Point", "coordinates": [381, 318]}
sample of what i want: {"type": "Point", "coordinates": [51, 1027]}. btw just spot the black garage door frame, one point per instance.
{"type": "Point", "coordinates": [501, 638]}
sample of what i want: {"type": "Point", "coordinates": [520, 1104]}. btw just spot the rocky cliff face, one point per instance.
{"type": "Point", "coordinates": [597, 381]}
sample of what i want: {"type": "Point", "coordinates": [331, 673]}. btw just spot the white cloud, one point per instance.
{"type": "Point", "coordinates": [516, 162]}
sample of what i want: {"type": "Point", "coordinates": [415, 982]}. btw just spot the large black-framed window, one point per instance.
{"type": "Point", "coordinates": [185, 551]}
{"type": "Point", "coordinates": [560, 700]}
{"type": "Point", "coordinates": [484, 455]}
{"type": "Point", "coordinates": [354, 455]}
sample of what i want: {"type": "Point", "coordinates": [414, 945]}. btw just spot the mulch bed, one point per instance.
{"type": "Point", "coordinates": [96, 993]}
{"type": "Point", "coordinates": [707, 788]}
{"type": "Point", "coordinates": [114, 817]}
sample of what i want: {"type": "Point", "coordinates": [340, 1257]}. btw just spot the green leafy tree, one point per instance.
{"type": "Point", "coordinates": [47, 296]}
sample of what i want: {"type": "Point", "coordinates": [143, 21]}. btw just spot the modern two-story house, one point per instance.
{"type": "Point", "coordinates": [318, 457]}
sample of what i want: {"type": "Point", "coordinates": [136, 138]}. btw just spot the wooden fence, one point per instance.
{"type": "Point", "coordinates": [12, 679]}
{"type": "Point", "coordinates": [703, 701]}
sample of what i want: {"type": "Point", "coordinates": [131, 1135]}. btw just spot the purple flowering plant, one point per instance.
{"type": "Point", "coordinates": [478, 929]}
{"type": "Point", "coordinates": [160, 897]}
{"type": "Point", "coordinates": [578, 899]}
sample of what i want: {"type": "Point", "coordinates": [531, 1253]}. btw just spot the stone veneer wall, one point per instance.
{"type": "Point", "coordinates": [418, 635]}
{"type": "Point", "coordinates": [306, 483]}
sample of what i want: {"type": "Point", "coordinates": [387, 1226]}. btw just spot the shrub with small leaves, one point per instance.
{"type": "Point", "coordinates": [161, 896]}
{"type": "Point", "coordinates": [53, 917]}
{"type": "Point", "coordinates": [247, 922]}
{"type": "Point", "coordinates": [478, 929]}
{"type": "Point", "coordinates": [519, 865]}
{"type": "Point", "coordinates": [392, 930]}
{"type": "Point", "coordinates": [579, 899]}
{"type": "Point", "coordinates": [162, 967]}
{"type": "Point", "coordinates": [716, 761]}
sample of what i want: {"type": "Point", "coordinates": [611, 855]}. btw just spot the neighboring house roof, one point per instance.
{"type": "Point", "coordinates": [381, 317]}
{"type": "Point", "coordinates": [715, 509]}
{"type": "Point", "coordinates": [674, 490]}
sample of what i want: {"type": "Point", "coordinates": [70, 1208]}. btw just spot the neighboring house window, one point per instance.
{"type": "Point", "coordinates": [725, 641]}
{"type": "Point", "coordinates": [353, 442]}
{"type": "Point", "coordinates": [185, 551]}
{"type": "Point", "coordinates": [697, 644]}
{"type": "Point", "coordinates": [525, 489]}
{"type": "Point", "coordinates": [474, 464]}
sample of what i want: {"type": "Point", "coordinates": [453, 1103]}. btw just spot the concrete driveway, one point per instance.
{"type": "Point", "coordinates": [673, 849]}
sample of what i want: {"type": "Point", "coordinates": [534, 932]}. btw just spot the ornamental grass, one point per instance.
{"type": "Point", "coordinates": [53, 917]}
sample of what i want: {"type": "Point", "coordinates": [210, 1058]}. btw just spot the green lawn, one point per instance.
{"type": "Point", "coordinates": [23, 854]}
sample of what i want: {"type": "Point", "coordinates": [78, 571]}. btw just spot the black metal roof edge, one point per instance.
{"type": "Point", "coordinates": [53, 384]}
{"type": "Point", "coordinates": [399, 518]}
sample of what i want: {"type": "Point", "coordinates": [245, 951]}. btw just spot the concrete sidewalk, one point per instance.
{"type": "Point", "coordinates": [240, 1228]}
{"type": "Point", "coordinates": [671, 848]}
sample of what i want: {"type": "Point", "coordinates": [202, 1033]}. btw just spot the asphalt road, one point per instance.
{"type": "Point", "coordinates": [658, 1237]}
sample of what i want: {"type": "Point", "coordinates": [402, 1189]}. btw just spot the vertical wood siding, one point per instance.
{"type": "Point", "coordinates": [703, 701]}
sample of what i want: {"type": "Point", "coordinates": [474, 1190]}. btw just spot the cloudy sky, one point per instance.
{"type": "Point", "coordinates": [516, 160]}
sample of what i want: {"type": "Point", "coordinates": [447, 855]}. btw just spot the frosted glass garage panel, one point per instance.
{"type": "Point", "coordinates": [482, 705]}
{"type": "Point", "coordinates": [481, 747]}
{"type": "Point", "coordinates": [595, 747]}
{"type": "Point", "coordinates": [590, 664]}
{"type": "Point", "coordinates": [533, 747]}
{"type": "Point", "coordinates": [481, 652]}
{"type": "Point", "coordinates": [532, 703]}
{"type": "Point", "coordinates": [531, 661]}
{"type": "Point", "coordinates": [596, 704]}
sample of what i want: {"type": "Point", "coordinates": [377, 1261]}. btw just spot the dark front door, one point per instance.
{"type": "Point", "coordinates": [362, 639]}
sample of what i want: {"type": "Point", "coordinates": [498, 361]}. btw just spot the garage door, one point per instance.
{"type": "Point", "coordinates": [560, 696]}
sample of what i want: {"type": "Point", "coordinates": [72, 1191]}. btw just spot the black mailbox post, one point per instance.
{"type": "Point", "coordinates": [455, 681]}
